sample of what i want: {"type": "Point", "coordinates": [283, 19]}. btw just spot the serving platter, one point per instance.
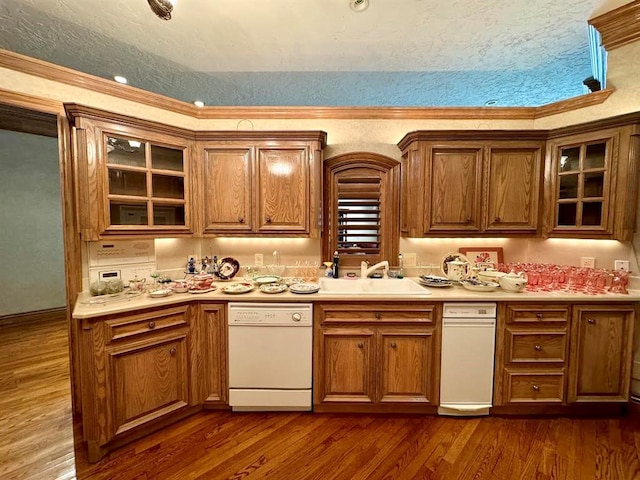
{"type": "Point", "coordinates": [238, 288]}
{"type": "Point", "coordinates": [304, 288]}
{"type": "Point", "coordinates": [477, 286]}
{"type": "Point", "coordinates": [202, 290]}
{"type": "Point", "coordinates": [273, 288]}
{"type": "Point", "coordinates": [262, 279]}
{"type": "Point", "coordinates": [165, 292]}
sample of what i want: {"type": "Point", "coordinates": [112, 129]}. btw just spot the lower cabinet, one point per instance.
{"type": "Point", "coordinates": [563, 354]}
{"type": "Point", "coordinates": [369, 357]}
{"type": "Point", "coordinates": [142, 371]}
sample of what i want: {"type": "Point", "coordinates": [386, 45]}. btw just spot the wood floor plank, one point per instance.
{"type": "Point", "coordinates": [40, 440]}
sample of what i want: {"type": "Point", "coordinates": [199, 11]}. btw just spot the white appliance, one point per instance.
{"type": "Point", "coordinates": [270, 356]}
{"type": "Point", "coordinates": [121, 259]}
{"type": "Point", "coordinates": [468, 342]}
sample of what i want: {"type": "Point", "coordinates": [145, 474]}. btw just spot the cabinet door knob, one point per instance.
{"type": "Point", "coordinates": [360, 345]}
{"type": "Point", "coordinates": [468, 220]}
{"type": "Point", "coordinates": [172, 351]}
{"type": "Point", "coordinates": [592, 321]}
{"type": "Point", "coordinates": [393, 345]}
{"type": "Point", "coordinates": [538, 348]}
{"type": "Point", "coordinates": [538, 315]}
{"type": "Point", "coordinates": [378, 315]}
{"type": "Point", "coordinates": [535, 388]}
{"type": "Point", "coordinates": [268, 219]}
{"type": "Point", "coordinates": [497, 219]}
{"type": "Point", "coordinates": [241, 220]}
{"type": "Point", "coordinates": [152, 325]}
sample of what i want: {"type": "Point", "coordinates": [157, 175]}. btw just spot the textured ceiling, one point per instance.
{"type": "Point", "coordinates": [318, 52]}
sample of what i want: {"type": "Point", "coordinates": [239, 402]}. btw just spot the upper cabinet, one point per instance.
{"type": "Point", "coordinates": [132, 177]}
{"type": "Point", "coordinates": [591, 182]}
{"type": "Point", "coordinates": [261, 183]}
{"type": "Point", "coordinates": [471, 182]}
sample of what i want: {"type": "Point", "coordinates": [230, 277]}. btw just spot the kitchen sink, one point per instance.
{"type": "Point", "coordinates": [371, 286]}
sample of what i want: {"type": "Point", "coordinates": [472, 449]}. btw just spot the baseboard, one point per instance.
{"type": "Point", "coordinates": [37, 316]}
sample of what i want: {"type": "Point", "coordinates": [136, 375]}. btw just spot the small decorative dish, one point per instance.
{"type": "Point", "coordinates": [262, 279]}
{"type": "Point", "coordinates": [165, 292]}
{"type": "Point", "coordinates": [202, 290]}
{"type": "Point", "coordinates": [478, 286]}
{"type": "Point", "coordinates": [236, 288]}
{"type": "Point", "coordinates": [433, 281]}
{"type": "Point", "coordinates": [292, 281]}
{"type": "Point", "coordinates": [227, 268]}
{"type": "Point", "coordinates": [273, 288]}
{"type": "Point", "coordinates": [304, 288]}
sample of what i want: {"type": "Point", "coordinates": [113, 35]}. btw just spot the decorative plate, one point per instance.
{"type": "Point", "coordinates": [203, 290]}
{"type": "Point", "coordinates": [304, 288]}
{"type": "Point", "coordinates": [273, 288]}
{"type": "Point", "coordinates": [477, 286]}
{"type": "Point", "coordinates": [227, 268]}
{"type": "Point", "coordinates": [236, 288]}
{"type": "Point", "coordinates": [165, 292]}
{"type": "Point", "coordinates": [293, 281]}
{"type": "Point", "coordinates": [262, 279]}
{"type": "Point", "coordinates": [451, 257]}
{"type": "Point", "coordinates": [433, 281]}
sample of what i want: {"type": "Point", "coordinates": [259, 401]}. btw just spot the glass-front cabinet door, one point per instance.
{"type": "Point", "coordinates": [146, 183]}
{"type": "Point", "coordinates": [582, 175]}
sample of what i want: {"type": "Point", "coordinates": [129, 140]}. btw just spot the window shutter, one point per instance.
{"type": "Point", "coordinates": [358, 216]}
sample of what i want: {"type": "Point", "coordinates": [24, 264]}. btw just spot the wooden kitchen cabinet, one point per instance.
{"type": "Point", "coordinates": [592, 180]}
{"type": "Point", "coordinates": [373, 357]}
{"type": "Point", "coordinates": [471, 182]}
{"type": "Point", "coordinates": [136, 375]}
{"type": "Point", "coordinates": [210, 334]}
{"type": "Point", "coordinates": [563, 354]}
{"type": "Point", "coordinates": [601, 353]}
{"type": "Point", "coordinates": [133, 177]}
{"type": "Point", "coordinates": [531, 354]}
{"type": "Point", "coordinates": [261, 183]}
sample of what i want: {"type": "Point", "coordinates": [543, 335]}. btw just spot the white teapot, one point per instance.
{"type": "Point", "coordinates": [513, 282]}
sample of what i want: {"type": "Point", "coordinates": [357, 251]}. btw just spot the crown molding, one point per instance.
{"type": "Point", "coordinates": [31, 102]}
{"type": "Point", "coordinates": [49, 71]}
{"type": "Point", "coordinates": [619, 26]}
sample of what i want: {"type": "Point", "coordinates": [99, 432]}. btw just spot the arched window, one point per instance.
{"type": "Point", "coordinates": [361, 208]}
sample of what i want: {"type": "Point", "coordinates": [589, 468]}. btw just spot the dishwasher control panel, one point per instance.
{"type": "Point", "coordinates": [469, 310]}
{"type": "Point", "coordinates": [270, 313]}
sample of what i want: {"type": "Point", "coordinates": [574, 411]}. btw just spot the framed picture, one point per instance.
{"type": "Point", "coordinates": [483, 254]}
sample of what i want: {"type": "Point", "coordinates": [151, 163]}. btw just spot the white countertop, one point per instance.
{"type": "Point", "coordinates": [456, 293]}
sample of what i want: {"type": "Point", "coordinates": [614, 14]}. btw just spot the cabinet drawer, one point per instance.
{"type": "Point", "coordinates": [519, 313]}
{"type": "Point", "coordinates": [135, 325]}
{"type": "Point", "coordinates": [363, 313]}
{"type": "Point", "coordinates": [533, 387]}
{"type": "Point", "coordinates": [538, 347]}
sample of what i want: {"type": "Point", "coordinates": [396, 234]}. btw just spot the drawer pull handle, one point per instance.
{"type": "Point", "coordinates": [538, 315]}
{"type": "Point", "coordinates": [535, 388]}
{"type": "Point", "coordinates": [393, 345]}
{"type": "Point", "coordinates": [172, 351]}
{"type": "Point", "coordinates": [592, 321]}
{"type": "Point", "coordinates": [378, 315]}
{"type": "Point", "coordinates": [538, 348]}
{"type": "Point", "coordinates": [152, 325]}
{"type": "Point", "coordinates": [360, 345]}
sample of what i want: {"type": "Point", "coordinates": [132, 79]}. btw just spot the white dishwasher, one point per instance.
{"type": "Point", "coordinates": [468, 341]}
{"type": "Point", "coordinates": [270, 356]}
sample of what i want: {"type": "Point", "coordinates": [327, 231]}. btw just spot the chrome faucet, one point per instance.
{"type": "Point", "coordinates": [366, 270]}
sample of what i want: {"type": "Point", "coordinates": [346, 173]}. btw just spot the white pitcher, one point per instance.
{"type": "Point", "coordinates": [457, 270]}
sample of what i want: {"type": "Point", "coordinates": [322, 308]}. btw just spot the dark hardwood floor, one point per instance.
{"type": "Point", "coordinates": [37, 440]}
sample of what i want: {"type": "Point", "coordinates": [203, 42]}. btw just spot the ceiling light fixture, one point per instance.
{"type": "Point", "coordinates": [120, 79]}
{"type": "Point", "coordinates": [359, 5]}
{"type": "Point", "coordinates": [490, 103]}
{"type": "Point", "coordinates": [199, 103]}
{"type": "Point", "coordinates": [162, 8]}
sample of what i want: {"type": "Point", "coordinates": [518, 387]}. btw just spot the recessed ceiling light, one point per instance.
{"type": "Point", "coordinates": [199, 103]}
{"type": "Point", "coordinates": [359, 5]}
{"type": "Point", "coordinates": [120, 79]}
{"type": "Point", "coordinates": [489, 103]}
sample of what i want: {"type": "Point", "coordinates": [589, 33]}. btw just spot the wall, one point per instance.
{"type": "Point", "coordinates": [31, 247]}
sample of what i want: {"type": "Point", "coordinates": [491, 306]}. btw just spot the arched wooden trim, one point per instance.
{"type": "Point", "coordinates": [389, 169]}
